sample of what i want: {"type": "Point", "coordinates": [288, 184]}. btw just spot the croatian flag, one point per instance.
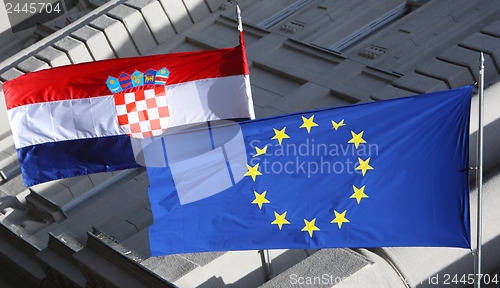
{"type": "Point", "coordinates": [78, 119]}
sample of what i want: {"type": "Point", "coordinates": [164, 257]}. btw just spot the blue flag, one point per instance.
{"type": "Point", "coordinates": [382, 174]}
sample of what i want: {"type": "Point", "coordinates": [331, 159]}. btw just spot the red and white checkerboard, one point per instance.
{"type": "Point", "coordinates": [142, 114]}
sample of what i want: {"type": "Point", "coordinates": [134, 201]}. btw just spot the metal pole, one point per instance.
{"type": "Point", "coordinates": [479, 174]}
{"type": "Point", "coordinates": [238, 15]}
{"type": "Point", "coordinates": [270, 264]}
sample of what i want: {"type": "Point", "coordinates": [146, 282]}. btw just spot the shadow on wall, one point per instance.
{"type": "Point", "coordinates": [465, 266]}
{"type": "Point", "coordinates": [491, 139]}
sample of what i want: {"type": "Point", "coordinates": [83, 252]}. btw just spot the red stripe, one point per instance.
{"type": "Point", "coordinates": [88, 80]}
{"type": "Point", "coordinates": [244, 54]}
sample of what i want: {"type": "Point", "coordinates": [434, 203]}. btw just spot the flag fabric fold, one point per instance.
{"type": "Point", "coordinates": [77, 119]}
{"type": "Point", "coordinates": [387, 173]}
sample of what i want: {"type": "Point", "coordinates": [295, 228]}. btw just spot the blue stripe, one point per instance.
{"type": "Point", "coordinates": [57, 160]}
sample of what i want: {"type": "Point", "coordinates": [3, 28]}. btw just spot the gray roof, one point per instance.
{"type": "Point", "coordinates": [92, 231]}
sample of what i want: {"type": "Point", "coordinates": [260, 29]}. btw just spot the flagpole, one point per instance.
{"type": "Point", "coordinates": [269, 261]}
{"type": "Point", "coordinates": [479, 175]}
{"type": "Point", "coordinates": [269, 264]}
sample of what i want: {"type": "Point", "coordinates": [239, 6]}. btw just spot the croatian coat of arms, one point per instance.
{"type": "Point", "coordinates": [141, 102]}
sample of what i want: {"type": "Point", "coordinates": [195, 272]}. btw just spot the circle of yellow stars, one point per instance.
{"type": "Point", "coordinates": [310, 225]}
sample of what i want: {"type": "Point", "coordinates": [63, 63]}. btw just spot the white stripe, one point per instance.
{"type": "Point", "coordinates": [64, 120]}
{"type": "Point", "coordinates": [190, 102]}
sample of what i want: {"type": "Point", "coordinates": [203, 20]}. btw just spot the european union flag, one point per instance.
{"type": "Point", "coordinates": [388, 173]}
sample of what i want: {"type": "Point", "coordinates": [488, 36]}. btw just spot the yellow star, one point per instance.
{"type": "Point", "coordinates": [280, 135]}
{"type": "Point", "coordinates": [356, 139]}
{"type": "Point", "coordinates": [310, 227]}
{"type": "Point", "coordinates": [260, 199]}
{"type": "Point", "coordinates": [336, 126]}
{"type": "Point", "coordinates": [358, 193]}
{"type": "Point", "coordinates": [308, 123]}
{"type": "Point", "coordinates": [364, 165]}
{"type": "Point", "coordinates": [260, 151]}
{"type": "Point", "coordinates": [280, 219]}
{"type": "Point", "coordinates": [339, 218]}
{"type": "Point", "coordinates": [252, 171]}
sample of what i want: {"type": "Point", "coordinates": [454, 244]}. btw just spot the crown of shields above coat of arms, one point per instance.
{"type": "Point", "coordinates": [141, 112]}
